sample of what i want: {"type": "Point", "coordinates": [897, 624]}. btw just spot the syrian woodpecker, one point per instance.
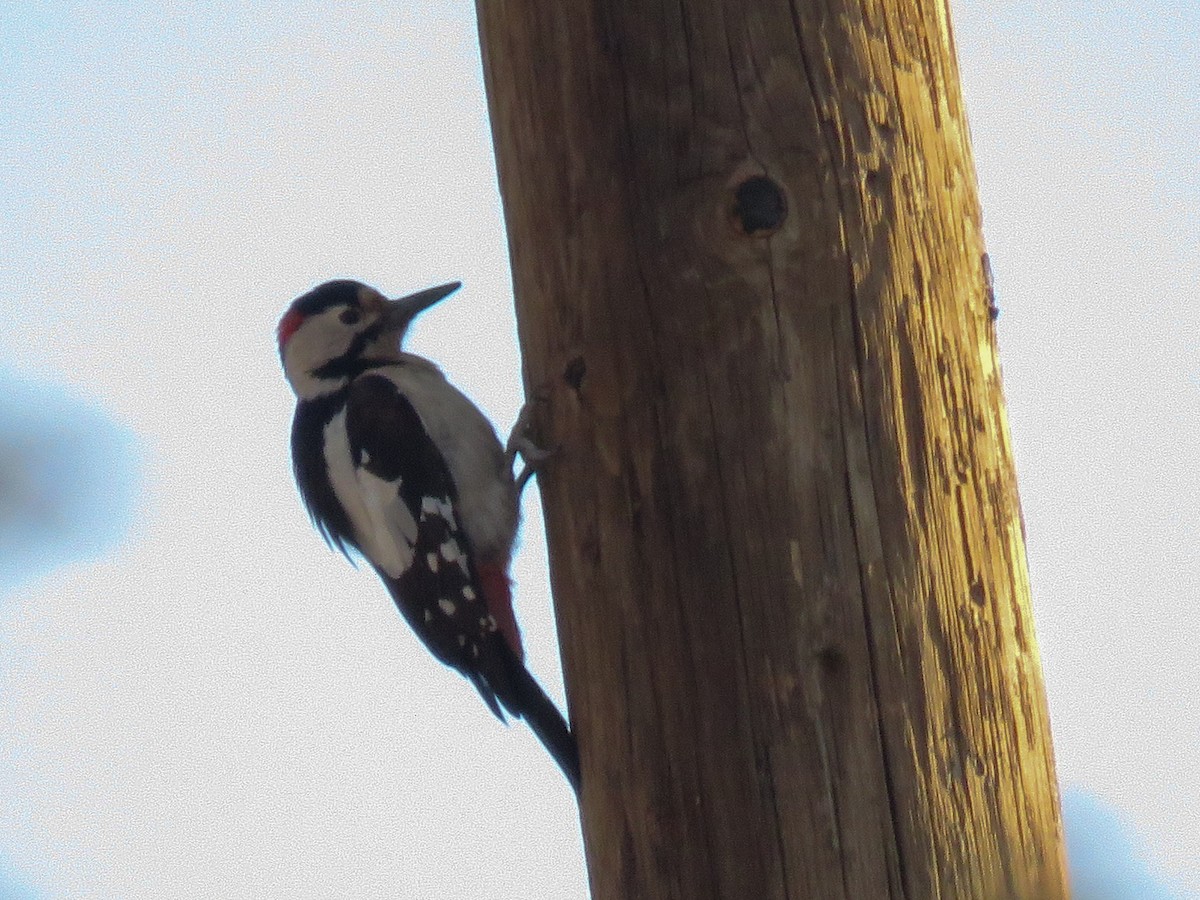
{"type": "Point", "coordinates": [394, 462]}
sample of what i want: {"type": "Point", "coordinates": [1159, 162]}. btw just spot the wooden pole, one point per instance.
{"type": "Point", "coordinates": [786, 544]}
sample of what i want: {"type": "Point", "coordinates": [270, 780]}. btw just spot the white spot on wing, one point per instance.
{"type": "Point", "coordinates": [393, 529]}
{"type": "Point", "coordinates": [382, 526]}
{"type": "Point", "coordinates": [451, 551]}
{"type": "Point", "coordinates": [435, 506]}
{"type": "Point", "coordinates": [431, 559]}
{"type": "Point", "coordinates": [429, 615]}
{"type": "Point", "coordinates": [468, 592]}
{"type": "Point", "coordinates": [447, 606]}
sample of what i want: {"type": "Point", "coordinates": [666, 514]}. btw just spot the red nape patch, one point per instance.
{"type": "Point", "coordinates": [291, 320]}
{"type": "Point", "coordinates": [497, 594]}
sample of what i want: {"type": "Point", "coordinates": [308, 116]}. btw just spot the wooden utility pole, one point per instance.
{"type": "Point", "coordinates": [786, 545]}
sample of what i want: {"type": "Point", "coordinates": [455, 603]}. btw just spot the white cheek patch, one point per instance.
{"type": "Point", "coordinates": [309, 387]}
{"type": "Point", "coordinates": [318, 340]}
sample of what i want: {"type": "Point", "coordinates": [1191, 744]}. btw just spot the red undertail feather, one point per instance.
{"type": "Point", "coordinates": [497, 594]}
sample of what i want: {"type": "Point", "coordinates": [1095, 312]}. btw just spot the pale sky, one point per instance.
{"type": "Point", "coordinates": [216, 706]}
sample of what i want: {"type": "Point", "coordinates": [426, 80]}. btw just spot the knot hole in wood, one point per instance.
{"type": "Point", "coordinates": [759, 206]}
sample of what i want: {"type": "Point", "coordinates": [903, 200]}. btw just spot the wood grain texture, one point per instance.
{"type": "Point", "coordinates": [786, 544]}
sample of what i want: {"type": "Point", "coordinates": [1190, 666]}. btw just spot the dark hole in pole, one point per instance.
{"type": "Point", "coordinates": [759, 205]}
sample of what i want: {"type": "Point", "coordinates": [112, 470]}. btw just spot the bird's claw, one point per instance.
{"type": "Point", "coordinates": [521, 444]}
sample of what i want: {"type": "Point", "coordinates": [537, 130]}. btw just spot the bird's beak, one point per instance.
{"type": "Point", "coordinates": [403, 310]}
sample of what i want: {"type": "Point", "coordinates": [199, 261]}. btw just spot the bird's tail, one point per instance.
{"type": "Point", "coordinates": [529, 702]}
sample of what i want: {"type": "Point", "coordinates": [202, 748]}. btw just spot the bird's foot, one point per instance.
{"type": "Point", "coordinates": [521, 444]}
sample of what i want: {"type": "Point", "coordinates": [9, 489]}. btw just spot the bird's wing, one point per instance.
{"type": "Point", "coordinates": [407, 499]}
{"type": "Point", "coordinates": [411, 534]}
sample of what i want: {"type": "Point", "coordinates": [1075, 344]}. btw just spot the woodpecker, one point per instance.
{"type": "Point", "coordinates": [395, 463]}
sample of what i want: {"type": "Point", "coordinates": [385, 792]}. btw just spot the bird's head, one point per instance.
{"type": "Point", "coordinates": [326, 334]}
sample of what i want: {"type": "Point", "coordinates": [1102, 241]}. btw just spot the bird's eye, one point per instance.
{"type": "Point", "coordinates": [350, 315]}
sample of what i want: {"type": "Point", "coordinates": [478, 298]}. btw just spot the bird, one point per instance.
{"type": "Point", "coordinates": [395, 464]}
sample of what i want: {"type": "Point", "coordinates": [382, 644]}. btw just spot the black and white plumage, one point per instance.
{"type": "Point", "coordinates": [394, 462]}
